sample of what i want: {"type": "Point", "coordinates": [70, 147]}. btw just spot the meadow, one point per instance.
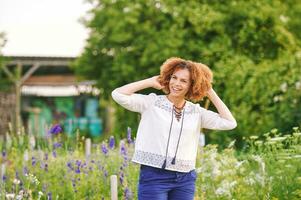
{"type": "Point", "coordinates": [58, 167]}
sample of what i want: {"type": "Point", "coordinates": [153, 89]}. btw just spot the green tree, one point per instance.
{"type": "Point", "coordinates": [5, 83]}
{"type": "Point", "coordinates": [251, 47]}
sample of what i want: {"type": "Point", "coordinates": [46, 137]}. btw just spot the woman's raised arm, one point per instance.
{"type": "Point", "coordinates": [222, 109]}
{"type": "Point", "coordinates": [131, 88]}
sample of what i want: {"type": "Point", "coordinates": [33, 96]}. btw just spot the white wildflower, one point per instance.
{"type": "Point", "coordinates": [260, 161]}
{"type": "Point", "coordinates": [258, 143]}
{"type": "Point", "coordinates": [298, 85]}
{"type": "Point", "coordinates": [231, 144]}
{"type": "Point", "coordinates": [259, 178]}
{"type": "Point", "coordinates": [277, 139]}
{"type": "Point", "coordinates": [238, 164]}
{"type": "Point", "coordinates": [253, 137]}
{"type": "Point", "coordinates": [33, 179]}
{"type": "Point", "coordinates": [283, 87]}
{"type": "Point", "coordinates": [10, 196]}
{"type": "Point", "coordinates": [284, 18]}
{"type": "Point", "coordinates": [16, 181]}
{"type": "Point", "coordinates": [221, 191]}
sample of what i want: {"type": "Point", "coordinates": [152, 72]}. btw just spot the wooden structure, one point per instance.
{"type": "Point", "coordinates": [32, 75]}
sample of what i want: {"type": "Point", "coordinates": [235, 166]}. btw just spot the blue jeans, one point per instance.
{"type": "Point", "coordinates": [161, 184]}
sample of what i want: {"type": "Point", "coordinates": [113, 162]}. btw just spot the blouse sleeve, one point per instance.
{"type": "Point", "coordinates": [212, 120]}
{"type": "Point", "coordinates": [134, 102]}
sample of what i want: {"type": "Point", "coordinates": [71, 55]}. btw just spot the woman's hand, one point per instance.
{"type": "Point", "coordinates": [155, 83]}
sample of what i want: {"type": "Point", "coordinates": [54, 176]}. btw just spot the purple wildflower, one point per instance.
{"type": "Point", "coordinates": [56, 129]}
{"type": "Point", "coordinates": [129, 135]}
{"type": "Point", "coordinates": [112, 142]}
{"type": "Point", "coordinates": [77, 171]}
{"type": "Point", "coordinates": [104, 148]}
{"type": "Point", "coordinates": [127, 193]}
{"type": "Point", "coordinates": [106, 173]}
{"type": "Point", "coordinates": [33, 161]}
{"type": "Point", "coordinates": [17, 175]}
{"type": "Point", "coordinates": [78, 163]}
{"type": "Point", "coordinates": [4, 154]}
{"type": "Point", "coordinates": [25, 170]}
{"type": "Point", "coordinates": [54, 154]}
{"type": "Point", "coordinates": [123, 149]}
{"type": "Point", "coordinates": [121, 177]}
{"type": "Point", "coordinates": [49, 196]}
{"type": "Point", "coordinates": [70, 165]}
{"type": "Point", "coordinates": [46, 156]}
{"type": "Point", "coordinates": [4, 178]}
{"type": "Point", "coordinates": [57, 145]}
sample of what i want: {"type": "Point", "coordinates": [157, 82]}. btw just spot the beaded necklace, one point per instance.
{"type": "Point", "coordinates": [178, 111]}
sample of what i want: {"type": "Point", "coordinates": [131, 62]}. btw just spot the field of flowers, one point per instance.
{"type": "Point", "coordinates": [57, 167]}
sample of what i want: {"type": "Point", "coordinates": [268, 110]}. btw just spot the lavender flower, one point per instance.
{"type": "Point", "coordinates": [46, 156]}
{"type": "Point", "coordinates": [33, 161]}
{"type": "Point", "coordinates": [57, 145]}
{"type": "Point", "coordinates": [77, 171]}
{"type": "Point", "coordinates": [49, 196]}
{"type": "Point", "coordinates": [121, 177]}
{"type": "Point", "coordinates": [127, 193]}
{"type": "Point", "coordinates": [123, 150]}
{"type": "Point", "coordinates": [17, 175]}
{"type": "Point", "coordinates": [56, 129]}
{"type": "Point", "coordinates": [70, 165]}
{"type": "Point", "coordinates": [129, 135]}
{"type": "Point", "coordinates": [54, 154]}
{"type": "Point", "coordinates": [78, 163]}
{"type": "Point", "coordinates": [25, 170]}
{"type": "Point", "coordinates": [106, 174]}
{"type": "Point", "coordinates": [104, 148]}
{"type": "Point", "coordinates": [112, 142]}
{"type": "Point", "coordinates": [4, 154]}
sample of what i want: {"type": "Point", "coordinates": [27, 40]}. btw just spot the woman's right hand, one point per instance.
{"type": "Point", "coordinates": [155, 82]}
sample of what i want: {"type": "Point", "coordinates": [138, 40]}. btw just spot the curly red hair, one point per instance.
{"type": "Point", "coordinates": [200, 77]}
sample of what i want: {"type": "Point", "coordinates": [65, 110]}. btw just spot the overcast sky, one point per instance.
{"type": "Point", "coordinates": [43, 27]}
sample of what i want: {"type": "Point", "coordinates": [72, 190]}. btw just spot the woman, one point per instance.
{"type": "Point", "coordinates": [168, 132]}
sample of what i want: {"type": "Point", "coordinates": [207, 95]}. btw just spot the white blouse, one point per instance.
{"type": "Point", "coordinates": [161, 138]}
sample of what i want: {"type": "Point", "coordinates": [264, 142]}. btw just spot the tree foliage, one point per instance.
{"type": "Point", "coordinates": [5, 83]}
{"type": "Point", "coordinates": [253, 48]}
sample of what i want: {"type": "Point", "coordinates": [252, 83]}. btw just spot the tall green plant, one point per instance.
{"type": "Point", "coordinates": [253, 50]}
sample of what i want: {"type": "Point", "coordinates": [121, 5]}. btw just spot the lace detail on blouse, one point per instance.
{"type": "Point", "coordinates": [164, 104]}
{"type": "Point", "coordinates": [155, 160]}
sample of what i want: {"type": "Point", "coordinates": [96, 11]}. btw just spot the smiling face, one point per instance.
{"type": "Point", "coordinates": [179, 83]}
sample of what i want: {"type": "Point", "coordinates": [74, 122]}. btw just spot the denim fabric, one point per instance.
{"type": "Point", "coordinates": [161, 184]}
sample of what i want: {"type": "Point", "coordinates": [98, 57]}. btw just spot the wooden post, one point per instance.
{"type": "Point", "coordinates": [88, 147]}
{"type": "Point", "coordinates": [110, 117]}
{"type": "Point", "coordinates": [114, 191]}
{"type": "Point", "coordinates": [2, 172]}
{"type": "Point", "coordinates": [18, 98]}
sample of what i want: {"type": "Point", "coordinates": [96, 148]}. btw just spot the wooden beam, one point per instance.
{"type": "Point", "coordinates": [29, 72]}
{"type": "Point", "coordinates": [42, 63]}
{"type": "Point", "coordinates": [8, 73]}
{"type": "Point", "coordinates": [51, 80]}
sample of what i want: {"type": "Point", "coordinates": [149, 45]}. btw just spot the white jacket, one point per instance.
{"type": "Point", "coordinates": [159, 136]}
